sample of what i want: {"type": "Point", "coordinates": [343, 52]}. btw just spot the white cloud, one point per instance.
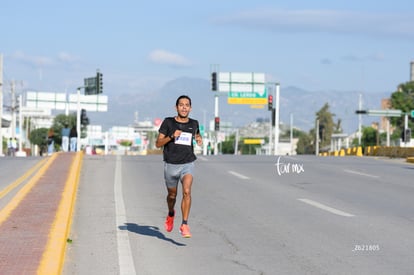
{"type": "Point", "coordinates": [372, 57]}
{"type": "Point", "coordinates": [376, 57]}
{"type": "Point", "coordinates": [329, 21]}
{"type": "Point", "coordinates": [32, 60]}
{"type": "Point", "coordinates": [168, 58]}
{"type": "Point", "coordinates": [67, 58]}
{"type": "Point", "coordinates": [43, 61]}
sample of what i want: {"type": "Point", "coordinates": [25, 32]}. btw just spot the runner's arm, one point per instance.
{"type": "Point", "coordinates": [199, 139]}
{"type": "Point", "coordinates": [163, 139]}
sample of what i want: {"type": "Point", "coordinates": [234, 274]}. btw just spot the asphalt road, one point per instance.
{"type": "Point", "coordinates": [250, 215]}
{"type": "Point", "coordinates": [12, 170]}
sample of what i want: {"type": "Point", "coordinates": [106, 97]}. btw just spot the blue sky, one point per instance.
{"type": "Point", "coordinates": [140, 45]}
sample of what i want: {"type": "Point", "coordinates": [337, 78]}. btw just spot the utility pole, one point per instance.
{"type": "Point", "coordinates": [270, 102]}
{"type": "Point", "coordinates": [277, 119]}
{"type": "Point", "coordinates": [20, 153]}
{"type": "Point", "coordinates": [360, 120]}
{"type": "Point", "coordinates": [1, 105]}
{"type": "Point", "coordinates": [13, 109]}
{"type": "Point", "coordinates": [317, 138]}
{"type": "Point", "coordinates": [236, 143]}
{"type": "Point", "coordinates": [291, 133]}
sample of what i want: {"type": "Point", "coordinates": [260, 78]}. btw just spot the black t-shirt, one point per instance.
{"type": "Point", "coordinates": [180, 150]}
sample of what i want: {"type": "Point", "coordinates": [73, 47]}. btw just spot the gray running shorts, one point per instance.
{"type": "Point", "coordinates": [173, 173]}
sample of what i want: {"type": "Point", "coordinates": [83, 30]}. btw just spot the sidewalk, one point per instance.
{"type": "Point", "coordinates": [35, 224]}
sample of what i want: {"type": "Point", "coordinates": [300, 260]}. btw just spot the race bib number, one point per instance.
{"type": "Point", "coordinates": [184, 139]}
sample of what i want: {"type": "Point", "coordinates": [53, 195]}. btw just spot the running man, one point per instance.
{"type": "Point", "coordinates": [176, 135]}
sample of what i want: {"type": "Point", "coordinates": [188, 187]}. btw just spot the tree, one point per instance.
{"type": "Point", "coordinates": [39, 137]}
{"type": "Point", "coordinates": [369, 136]}
{"type": "Point", "coordinates": [59, 123]}
{"type": "Point", "coordinates": [125, 142]}
{"type": "Point", "coordinates": [403, 99]}
{"type": "Point", "coordinates": [326, 125]}
{"type": "Point", "coordinates": [4, 145]}
{"type": "Point", "coordinates": [305, 145]}
{"type": "Point", "coordinates": [338, 127]}
{"type": "Point", "coordinates": [295, 134]}
{"type": "Point", "coordinates": [227, 146]}
{"type": "Point", "coordinates": [306, 142]}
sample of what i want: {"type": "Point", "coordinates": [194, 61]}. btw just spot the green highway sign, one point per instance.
{"type": "Point", "coordinates": [243, 88]}
{"type": "Point", "coordinates": [412, 113]}
{"type": "Point", "coordinates": [90, 86]}
{"type": "Point", "coordinates": [386, 113]}
{"type": "Point", "coordinates": [247, 98]}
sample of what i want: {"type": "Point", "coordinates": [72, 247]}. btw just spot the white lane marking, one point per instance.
{"type": "Point", "coordinates": [126, 263]}
{"type": "Point", "coordinates": [361, 174]}
{"type": "Point", "coordinates": [326, 208]}
{"type": "Point", "coordinates": [243, 177]}
{"type": "Point", "coordinates": [202, 158]}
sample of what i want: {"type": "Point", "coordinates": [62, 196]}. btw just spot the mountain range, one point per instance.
{"type": "Point", "coordinates": [297, 104]}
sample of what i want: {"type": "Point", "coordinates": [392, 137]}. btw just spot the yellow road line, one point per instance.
{"type": "Point", "coordinates": [6, 211]}
{"type": "Point", "coordinates": [17, 182]}
{"type": "Point", "coordinates": [54, 255]}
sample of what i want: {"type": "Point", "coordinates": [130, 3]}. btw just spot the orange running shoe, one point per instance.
{"type": "Point", "coordinates": [185, 231]}
{"type": "Point", "coordinates": [169, 223]}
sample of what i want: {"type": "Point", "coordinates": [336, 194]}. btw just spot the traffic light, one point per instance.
{"type": "Point", "coordinates": [406, 135]}
{"type": "Point", "coordinates": [84, 118]}
{"type": "Point", "coordinates": [99, 83]}
{"type": "Point", "coordinates": [270, 102]}
{"type": "Point", "coordinates": [217, 123]}
{"type": "Point", "coordinates": [214, 81]}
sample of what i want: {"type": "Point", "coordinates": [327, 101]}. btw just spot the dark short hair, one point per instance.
{"type": "Point", "coordinates": [181, 97]}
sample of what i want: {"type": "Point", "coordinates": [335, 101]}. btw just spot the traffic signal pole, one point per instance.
{"type": "Point", "coordinates": [215, 89]}
{"type": "Point", "coordinates": [388, 113]}
{"type": "Point", "coordinates": [270, 108]}
{"type": "Point", "coordinates": [360, 121]}
{"type": "Point", "coordinates": [216, 114]}
{"type": "Point", "coordinates": [78, 122]}
{"type": "Point", "coordinates": [277, 119]}
{"type": "Point", "coordinates": [270, 133]}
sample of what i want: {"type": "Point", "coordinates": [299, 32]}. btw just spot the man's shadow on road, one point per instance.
{"type": "Point", "coordinates": [147, 230]}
